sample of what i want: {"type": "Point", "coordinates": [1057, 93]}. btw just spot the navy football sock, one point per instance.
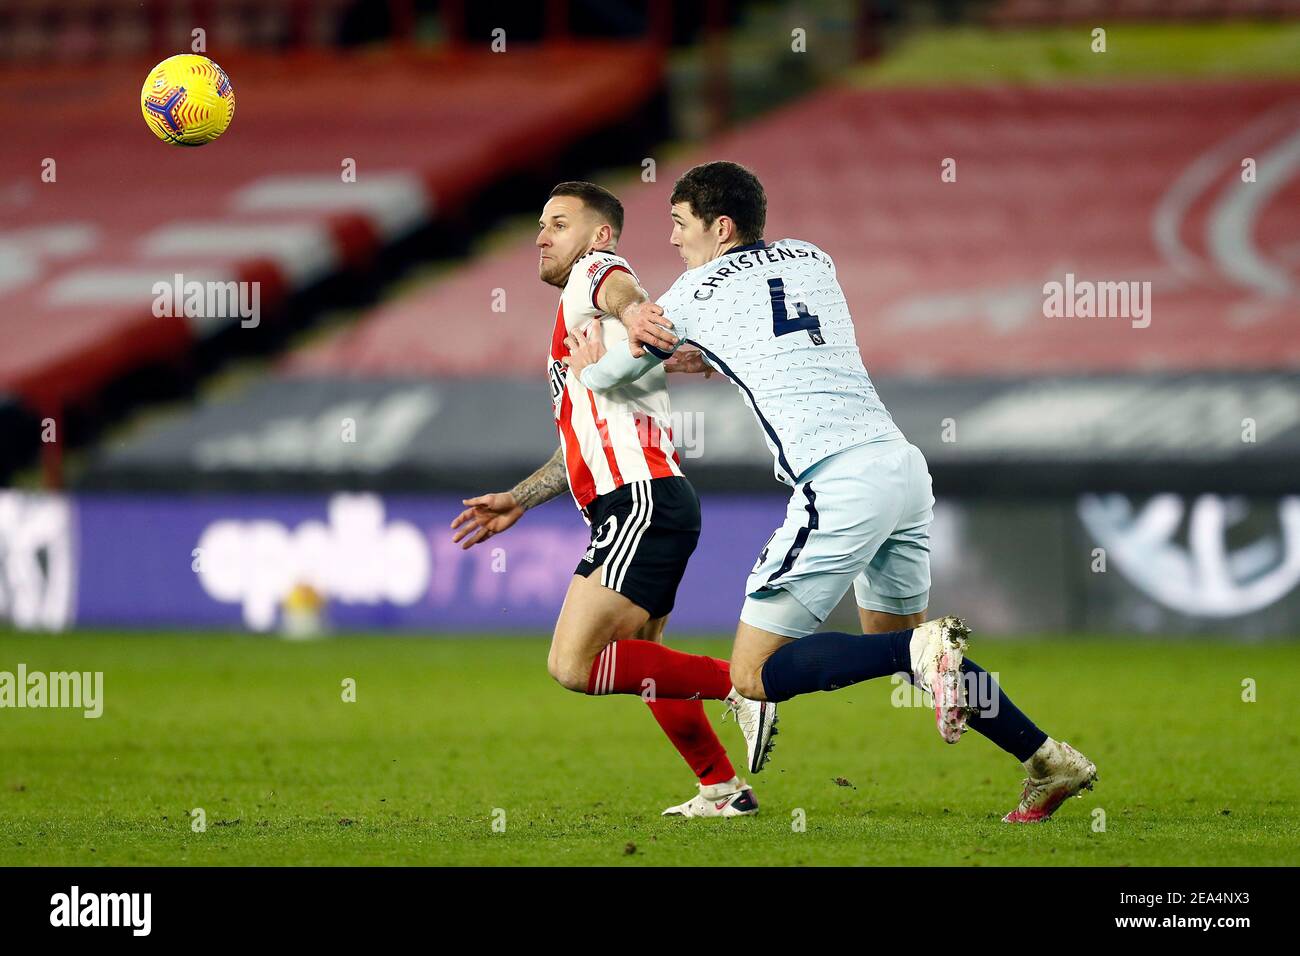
{"type": "Point", "coordinates": [997, 718]}
{"type": "Point", "coordinates": [829, 661]}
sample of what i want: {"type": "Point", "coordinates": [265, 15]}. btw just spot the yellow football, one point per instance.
{"type": "Point", "coordinates": [187, 100]}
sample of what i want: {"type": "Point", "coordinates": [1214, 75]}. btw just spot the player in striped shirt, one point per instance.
{"type": "Point", "coordinates": [617, 460]}
{"type": "Point", "coordinates": [773, 319]}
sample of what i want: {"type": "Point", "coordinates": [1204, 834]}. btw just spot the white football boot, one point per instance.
{"type": "Point", "coordinates": [937, 649]}
{"type": "Point", "coordinates": [757, 722]}
{"type": "Point", "coordinates": [731, 799]}
{"type": "Point", "coordinates": [1056, 772]}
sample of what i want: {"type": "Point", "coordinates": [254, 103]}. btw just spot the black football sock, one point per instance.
{"type": "Point", "coordinates": [997, 718]}
{"type": "Point", "coordinates": [832, 660]}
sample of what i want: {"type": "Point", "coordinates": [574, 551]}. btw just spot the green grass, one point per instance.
{"type": "Point", "coordinates": [970, 55]}
{"type": "Point", "coordinates": [254, 731]}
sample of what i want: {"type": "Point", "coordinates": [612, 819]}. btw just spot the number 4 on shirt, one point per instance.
{"type": "Point", "coordinates": [782, 324]}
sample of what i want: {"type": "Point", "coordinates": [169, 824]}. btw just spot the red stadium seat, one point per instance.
{"type": "Point", "coordinates": [266, 202]}
{"type": "Point", "coordinates": [1111, 183]}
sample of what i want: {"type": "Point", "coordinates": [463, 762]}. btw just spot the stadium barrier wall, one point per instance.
{"type": "Point", "coordinates": [1011, 438]}
{"type": "Point", "coordinates": [1109, 563]}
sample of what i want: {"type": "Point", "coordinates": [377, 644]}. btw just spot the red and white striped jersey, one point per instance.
{"type": "Point", "coordinates": [624, 434]}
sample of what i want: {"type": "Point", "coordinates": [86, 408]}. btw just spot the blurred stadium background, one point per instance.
{"type": "Point", "coordinates": [314, 461]}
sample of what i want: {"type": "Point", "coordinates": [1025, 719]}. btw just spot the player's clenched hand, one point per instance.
{"type": "Point", "coordinates": [486, 515]}
{"type": "Point", "coordinates": [646, 325]}
{"type": "Point", "coordinates": [584, 349]}
{"type": "Point", "coordinates": [688, 360]}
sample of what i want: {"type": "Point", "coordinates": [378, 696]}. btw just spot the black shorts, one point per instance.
{"type": "Point", "coordinates": [642, 535]}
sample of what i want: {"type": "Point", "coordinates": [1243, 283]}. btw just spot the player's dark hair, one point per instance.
{"type": "Point", "coordinates": [725, 189]}
{"type": "Point", "coordinates": [596, 198]}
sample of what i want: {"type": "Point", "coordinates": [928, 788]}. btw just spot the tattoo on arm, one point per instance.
{"type": "Point", "coordinates": [544, 484]}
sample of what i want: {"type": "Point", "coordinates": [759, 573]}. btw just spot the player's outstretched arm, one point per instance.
{"type": "Point", "coordinates": [601, 370]}
{"type": "Point", "coordinates": [492, 514]}
{"type": "Point", "coordinates": [547, 482]}
{"type": "Point", "coordinates": [621, 296]}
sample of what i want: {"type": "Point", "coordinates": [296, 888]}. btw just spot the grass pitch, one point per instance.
{"type": "Point", "coordinates": [447, 736]}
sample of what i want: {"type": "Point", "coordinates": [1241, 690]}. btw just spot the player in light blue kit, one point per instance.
{"type": "Point", "coordinates": [772, 318]}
